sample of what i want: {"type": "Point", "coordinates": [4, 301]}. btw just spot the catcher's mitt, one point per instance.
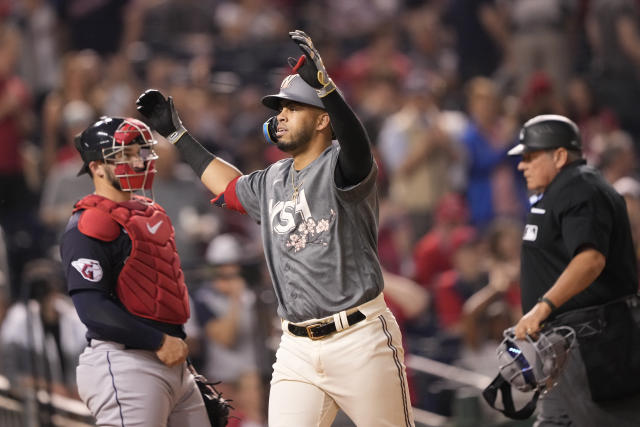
{"type": "Point", "coordinates": [217, 407]}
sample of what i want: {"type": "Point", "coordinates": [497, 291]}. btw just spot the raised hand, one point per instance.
{"type": "Point", "coordinates": [161, 114]}
{"type": "Point", "coordinates": [310, 66]}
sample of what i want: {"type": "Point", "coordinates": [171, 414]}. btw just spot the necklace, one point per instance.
{"type": "Point", "coordinates": [295, 187]}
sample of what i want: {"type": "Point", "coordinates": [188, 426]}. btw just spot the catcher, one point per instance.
{"type": "Point", "coordinates": [124, 277]}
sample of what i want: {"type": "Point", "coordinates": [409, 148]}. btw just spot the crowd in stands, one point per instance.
{"type": "Point", "coordinates": [442, 87]}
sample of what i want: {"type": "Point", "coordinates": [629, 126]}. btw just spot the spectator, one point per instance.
{"type": "Point", "coordinates": [42, 336]}
{"type": "Point", "coordinates": [496, 306]}
{"type": "Point", "coordinates": [17, 201]}
{"type": "Point", "coordinates": [592, 118]}
{"type": "Point", "coordinates": [40, 63]}
{"type": "Point", "coordinates": [96, 25]}
{"type": "Point", "coordinates": [433, 253]}
{"type": "Point", "coordinates": [541, 35]}
{"type": "Point", "coordinates": [418, 155]}
{"type": "Point", "coordinates": [493, 189]}
{"type": "Point", "coordinates": [481, 36]}
{"type": "Point", "coordinates": [62, 188]}
{"type": "Point", "coordinates": [618, 156]}
{"type": "Point", "coordinates": [455, 286]}
{"type": "Point", "coordinates": [80, 77]}
{"type": "Point", "coordinates": [226, 316]}
{"type": "Point", "coordinates": [612, 29]}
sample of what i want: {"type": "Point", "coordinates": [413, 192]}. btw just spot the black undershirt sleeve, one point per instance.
{"type": "Point", "coordinates": [194, 154]}
{"type": "Point", "coordinates": [355, 159]}
{"type": "Point", "coordinates": [104, 317]}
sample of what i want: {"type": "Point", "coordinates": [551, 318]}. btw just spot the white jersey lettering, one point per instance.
{"type": "Point", "coordinates": [282, 215]}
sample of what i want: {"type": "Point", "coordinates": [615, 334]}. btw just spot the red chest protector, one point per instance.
{"type": "Point", "coordinates": [151, 283]}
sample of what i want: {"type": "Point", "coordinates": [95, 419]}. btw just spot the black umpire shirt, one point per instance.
{"type": "Point", "coordinates": [579, 208]}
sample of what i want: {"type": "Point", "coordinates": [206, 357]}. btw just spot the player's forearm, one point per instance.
{"type": "Point", "coordinates": [104, 317]}
{"type": "Point", "coordinates": [581, 272]}
{"type": "Point", "coordinates": [214, 172]}
{"type": "Point", "coordinates": [355, 158]}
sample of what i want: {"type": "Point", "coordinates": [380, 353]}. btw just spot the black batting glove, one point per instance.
{"type": "Point", "coordinates": [161, 114]}
{"type": "Point", "coordinates": [310, 66]}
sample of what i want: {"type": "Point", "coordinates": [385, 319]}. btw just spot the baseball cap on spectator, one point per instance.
{"type": "Point", "coordinates": [224, 249]}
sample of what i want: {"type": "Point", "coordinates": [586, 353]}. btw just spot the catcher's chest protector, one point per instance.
{"type": "Point", "coordinates": [151, 283]}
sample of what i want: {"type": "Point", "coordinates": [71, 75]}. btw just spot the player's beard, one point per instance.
{"type": "Point", "coordinates": [297, 141]}
{"type": "Point", "coordinates": [111, 176]}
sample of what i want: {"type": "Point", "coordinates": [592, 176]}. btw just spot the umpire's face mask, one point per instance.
{"type": "Point", "coordinates": [528, 365]}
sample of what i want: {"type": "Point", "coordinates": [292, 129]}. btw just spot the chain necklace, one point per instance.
{"type": "Point", "coordinates": [295, 187]}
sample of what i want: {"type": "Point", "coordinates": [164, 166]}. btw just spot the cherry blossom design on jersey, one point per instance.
{"type": "Point", "coordinates": [311, 231]}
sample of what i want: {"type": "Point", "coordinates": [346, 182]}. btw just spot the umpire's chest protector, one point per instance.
{"type": "Point", "coordinates": [151, 283]}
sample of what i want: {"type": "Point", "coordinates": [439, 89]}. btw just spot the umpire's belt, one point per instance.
{"type": "Point", "coordinates": [317, 331]}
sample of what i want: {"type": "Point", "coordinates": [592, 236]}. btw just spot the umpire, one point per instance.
{"type": "Point", "coordinates": [578, 268]}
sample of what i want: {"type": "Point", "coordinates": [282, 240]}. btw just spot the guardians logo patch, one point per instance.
{"type": "Point", "coordinates": [90, 269]}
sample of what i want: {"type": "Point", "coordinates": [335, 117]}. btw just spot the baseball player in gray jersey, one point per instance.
{"type": "Point", "coordinates": [318, 210]}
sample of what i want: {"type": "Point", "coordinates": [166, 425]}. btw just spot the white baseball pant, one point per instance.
{"type": "Point", "coordinates": [359, 369]}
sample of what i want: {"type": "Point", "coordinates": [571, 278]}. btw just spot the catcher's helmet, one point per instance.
{"type": "Point", "coordinates": [108, 137]}
{"type": "Point", "coordinates": [293, 88]}
{"type": "Point", "coordinates": [529, 365]}
{"type": "Point", "coordinates": [547, 131]}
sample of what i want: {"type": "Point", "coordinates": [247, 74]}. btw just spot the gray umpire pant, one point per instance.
{"type": "Point", "coordinates": [569, 403]}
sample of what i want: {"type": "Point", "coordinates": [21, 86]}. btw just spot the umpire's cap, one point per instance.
{"type": "Point", "coordinates": [293, 88]}
{"type": "Point", "coordinates": [545, 132]}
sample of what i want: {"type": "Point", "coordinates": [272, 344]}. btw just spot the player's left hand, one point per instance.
{"type": "Point", "coordinates": [310, 66]}
{"type": "Point", "coordinates": [173, 351]}
{"type": "Point", "coordinates": [161, 114]}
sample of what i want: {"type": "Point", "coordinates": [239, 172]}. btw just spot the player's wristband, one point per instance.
{"type": "Point", "coordinates": [174, 136]}
{"type": "Point", "coordinates": [548, 302]}
{"type": "Point", "coordinates": [194, 154]}
{"type": "Point", "coordinates": [326, 89]}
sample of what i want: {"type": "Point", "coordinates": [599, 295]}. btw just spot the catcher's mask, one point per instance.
{"type": "Point", "coordinates": [126, 143]}
{"type": "Point", "coordinates": [528, 365]}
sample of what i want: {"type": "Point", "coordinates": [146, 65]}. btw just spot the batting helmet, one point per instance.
{"type": "Point", "coordinates": [108, 137]}
{"type": "Point", "coordinates": [293, 88]}
{"type": "Point", "coordinates": [547, 131]}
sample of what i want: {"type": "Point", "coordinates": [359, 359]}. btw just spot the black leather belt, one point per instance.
{"type": "Point", "coordinates": [316, 331]}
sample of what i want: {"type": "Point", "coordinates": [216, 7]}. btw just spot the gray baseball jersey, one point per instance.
{"type": "Point", "coordinates": [320, 241]}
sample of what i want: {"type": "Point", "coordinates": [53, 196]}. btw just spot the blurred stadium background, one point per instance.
{"type": "Point", "coordinates": [442, 87]}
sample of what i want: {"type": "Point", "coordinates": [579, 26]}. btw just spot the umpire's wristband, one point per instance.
{"type": "Point", "coordinates": [194, 154]}
{"type": "Point", "coordinates": [550, 303]}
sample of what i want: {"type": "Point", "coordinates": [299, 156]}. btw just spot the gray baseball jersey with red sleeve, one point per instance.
{"type": "Point", "coordinates": [320, 241]}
